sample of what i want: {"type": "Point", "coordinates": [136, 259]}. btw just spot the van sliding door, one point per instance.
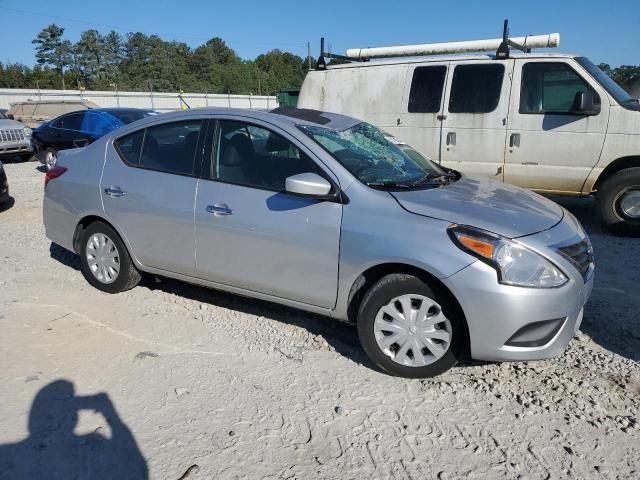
{"type": "Point", "coordinates": [475, 123]}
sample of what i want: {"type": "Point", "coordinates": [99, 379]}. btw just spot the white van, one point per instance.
{"type": "Point", "coordinates": [553, 123]}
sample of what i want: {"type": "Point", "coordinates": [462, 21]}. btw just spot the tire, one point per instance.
{"type": "Point", "coordinates": [126, 275]}
{"type": "Point", "coordinates": [613, 199]}
{"type": "Point", "coordinates": [371, 329]}
{"type": "Point", "coordinates": [50, 155]}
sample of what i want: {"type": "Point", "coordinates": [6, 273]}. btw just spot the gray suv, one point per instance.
{"type": "Point", "coordinates": [321, 212]}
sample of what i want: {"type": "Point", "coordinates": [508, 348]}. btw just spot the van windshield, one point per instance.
{"type": "Point", "coordinates": [616, 91]}
{"type": "Point", "coordinates": [374, 160]}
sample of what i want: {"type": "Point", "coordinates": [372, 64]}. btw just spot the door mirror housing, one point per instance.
{"type": "Point", "coordinates": [585, 104]}
{"type": "Point", "coordinates": [308, 185]}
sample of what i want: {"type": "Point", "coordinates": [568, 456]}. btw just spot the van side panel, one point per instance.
{"type": "Point", "coordinates": [373, 94]}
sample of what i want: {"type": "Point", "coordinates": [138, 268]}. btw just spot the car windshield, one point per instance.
{"type": "Point", "coordinates": [616, 91]}
{"type": "Point", "coordinates": [374, 159]}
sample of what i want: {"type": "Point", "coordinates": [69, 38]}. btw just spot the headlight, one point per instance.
{"type": "Point", "coordinates": [27, 132]}
{"type": "Point", "coordinates": [515, 264]}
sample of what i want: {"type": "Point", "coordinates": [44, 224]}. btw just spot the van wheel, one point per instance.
{"type": "Point", "coordinates": [618, 202]}
{"type": "Point", "coordinates": [104, 260]}
{"type": "Point", "coordinates": [408, 330]}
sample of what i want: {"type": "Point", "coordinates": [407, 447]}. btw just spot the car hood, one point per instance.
{"type": "Point", "coordinates": [496, 207]}
{"type": "Point", "coordinates": [6, 123]}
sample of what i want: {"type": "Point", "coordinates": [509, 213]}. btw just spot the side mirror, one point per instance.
{"type": "Point", "coordinates": [308, 185]}
{"type": "Point", "coordinates": [81, 142]}
{"type": "Point", "coordinates": [584, 104]}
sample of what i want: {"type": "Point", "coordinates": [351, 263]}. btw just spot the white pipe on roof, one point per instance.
{"type": "Point", "coordinates": [549, 40]}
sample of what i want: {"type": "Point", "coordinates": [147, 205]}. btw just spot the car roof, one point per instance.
{"type": "Point", "coordinates": [284, 117]}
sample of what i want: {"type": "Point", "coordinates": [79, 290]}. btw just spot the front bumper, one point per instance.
{"type": "Point", "coordinates": [508, 323]}
{"type": "Point", "coordinates": [19, 147]}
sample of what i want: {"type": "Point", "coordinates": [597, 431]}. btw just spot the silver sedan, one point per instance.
{"type": "Point", "coordinates": [321, 212]}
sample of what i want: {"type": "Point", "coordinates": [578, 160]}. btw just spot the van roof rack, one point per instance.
{"type": "Point", "coordinates": [501, 46]}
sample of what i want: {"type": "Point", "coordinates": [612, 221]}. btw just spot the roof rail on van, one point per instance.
{"type": "Point", "coordinates": [500, 45]}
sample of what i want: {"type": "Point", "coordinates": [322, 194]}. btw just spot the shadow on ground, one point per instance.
{"type": "Point", "coordinates": [8, 205]}
{"type": "Point", "coordinates": [52, 450]}
{"type": "Point", "coordinates": [611, 316]}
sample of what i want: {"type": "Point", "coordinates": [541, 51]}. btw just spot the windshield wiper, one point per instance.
{"type": "Point", "coordinates": [389, 185]}
{"type": "Point", "coordinates": [447, 176]}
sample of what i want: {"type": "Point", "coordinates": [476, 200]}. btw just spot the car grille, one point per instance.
{"type": "Point", "coordinates": [13, 135]}
{"type": "Point", "coordinates": [581, 255]}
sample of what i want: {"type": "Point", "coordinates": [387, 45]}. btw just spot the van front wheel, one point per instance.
{"type": "Point", "coordinates": [618, 202]}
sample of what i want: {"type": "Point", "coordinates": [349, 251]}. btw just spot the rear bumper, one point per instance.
{"type": "Point", "coordinates": [59, 226]}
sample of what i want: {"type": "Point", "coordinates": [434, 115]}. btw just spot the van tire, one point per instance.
{"type": "Point", "coordinates": [128, 276]}
{"type": "Point", "coordinates": [608, 202]}
{"type": "Point", "coordinates": [380, 295]}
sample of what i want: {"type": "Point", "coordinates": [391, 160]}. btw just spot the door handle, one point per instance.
{"type": "Point", "coordinates": [219, 209]}
{"type": "Point", "coordinates": [114, 192]}
{"type": "Point", "coordinates": [451, 138]}
{"type": "Point", "coordinates": [514, 140]}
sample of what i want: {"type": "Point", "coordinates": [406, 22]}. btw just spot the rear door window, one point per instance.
{"type": "Point", "coordinates": [171, 147]}
{"type": "Point", "coordinates": [73, 121]}
{"type": "Point", "coordinates": [550, 88]}
{"type": "Point", "coordinates": [426, 89]}
{"type": "Point", "coordinates": [129, 147]}
{"type": "Point", "coordinates": [476, 88]}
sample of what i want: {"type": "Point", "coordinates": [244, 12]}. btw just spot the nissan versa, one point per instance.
{"type": "Point", "coordinates": [321, 212]}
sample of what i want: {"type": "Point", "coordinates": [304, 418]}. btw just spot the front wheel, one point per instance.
{"type": "Point", "coordinates": [618, 202]}
{"type": "Point", "coordinates": [408, 330]}
{"type": "Point", "coordinates": [104, 260]}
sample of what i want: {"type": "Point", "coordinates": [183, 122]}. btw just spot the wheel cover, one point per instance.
{"type": "Point", "coordinates": [50, 159]}
{"type": "Point", "coordinates": [103, 258]}
{"type": "Point", "coordinates": [629, 203]}
{"type": "Point", "coordinates": [412, 330]}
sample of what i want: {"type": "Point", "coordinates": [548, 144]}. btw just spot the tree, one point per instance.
{"type": "Point", "coordinates": [89, 55]}
{"type": "Point", "coordinates": [51, 50]}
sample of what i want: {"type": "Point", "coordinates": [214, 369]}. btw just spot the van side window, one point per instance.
{"type": "Point", "coordinates": [476, 88]}
{"type": "Point", "coordinates": [426, 89]}
{"type": "Point", "coordinates": [550, 88]}
{"type": "Point", "coordinates": [256, 157]}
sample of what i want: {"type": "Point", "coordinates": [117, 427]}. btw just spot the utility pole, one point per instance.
{"type": "Point", "coordinates": [309, 54]}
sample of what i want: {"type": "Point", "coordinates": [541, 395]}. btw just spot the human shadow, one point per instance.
{"type": "Point", "coordinates": [53, 451]}
{"type": "Point", "coordinates": [610, 317]}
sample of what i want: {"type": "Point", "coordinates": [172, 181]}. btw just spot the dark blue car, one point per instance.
{"type": "Point", "coordinates": [77, 129]}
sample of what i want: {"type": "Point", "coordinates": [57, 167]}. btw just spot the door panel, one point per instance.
{"type": "Point", "coordinates": [474, 130]}
{"type": "Point", "coordinates": [252, 235]}
{"type": "Point", "coordinates": [272, 243]}
{"type": "Point", "coordinates": [420, 125]}
{"type": "Point", "coordinates": [153, 209]}
{"type": "Point", "coordinates": [556, 149]}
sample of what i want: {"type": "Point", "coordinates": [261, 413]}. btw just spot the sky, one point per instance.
{"type": "Point", "coordinates": [604, 31]}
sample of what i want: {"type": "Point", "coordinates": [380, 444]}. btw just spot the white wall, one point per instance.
{"type": "Point", "coordinates": [158, 101]}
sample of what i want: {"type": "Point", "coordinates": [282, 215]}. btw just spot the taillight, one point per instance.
{"type": "Point", "coordinates": [52, 173]}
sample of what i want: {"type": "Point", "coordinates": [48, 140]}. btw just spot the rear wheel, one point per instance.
{"type": "Point", "coordinates": [50, 157]}
{"type": "Point", "coordinates": [104, 260]}
{"type": "Point", "coordinates": [618, 202]}
{"type": "Point", "coordinates": [408, 330]}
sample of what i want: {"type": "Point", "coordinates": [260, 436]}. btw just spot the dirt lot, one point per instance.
{"type": "Point", "coordinates": [211, 385]}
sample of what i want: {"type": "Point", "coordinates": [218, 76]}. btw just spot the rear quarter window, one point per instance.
{"type": "Point", "coordinates": [129, 147]}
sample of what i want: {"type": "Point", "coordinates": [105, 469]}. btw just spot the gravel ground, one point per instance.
{"type": "Point", "coordinates": [211, 385]}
